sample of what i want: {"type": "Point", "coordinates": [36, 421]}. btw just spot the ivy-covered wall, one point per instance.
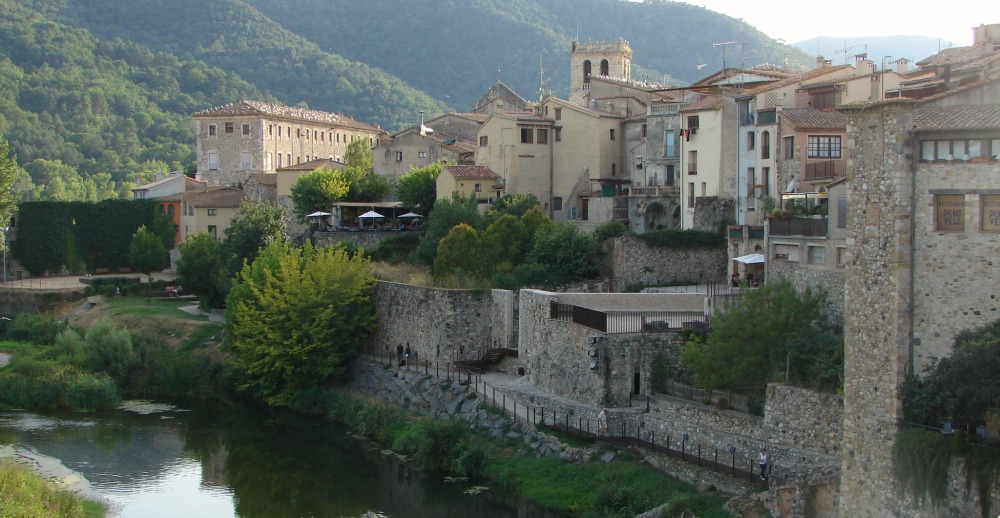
{"type": "Point", "coordinates": [75, 237]}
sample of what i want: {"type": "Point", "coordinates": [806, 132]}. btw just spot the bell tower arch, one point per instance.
{"type": "Point", "coordinates": [605, 58]}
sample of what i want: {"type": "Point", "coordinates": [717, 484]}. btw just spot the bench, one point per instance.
{"type": "Point", "coordinates": [101, 271]}
{"type": "Point", "coordinates": [125, 270]}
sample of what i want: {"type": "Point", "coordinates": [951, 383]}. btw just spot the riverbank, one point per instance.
{"type": "Point", "coordinates": [38, 486]}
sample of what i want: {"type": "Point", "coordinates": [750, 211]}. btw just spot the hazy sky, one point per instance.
{"type": "Point", "coordinates": [797, 20]}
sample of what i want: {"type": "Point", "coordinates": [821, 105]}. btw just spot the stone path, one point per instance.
{"type": "Point", "coordinates": [4, 359]}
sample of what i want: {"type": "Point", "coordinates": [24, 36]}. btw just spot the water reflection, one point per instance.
{"type": "Point", "coordinates": [238, 460]}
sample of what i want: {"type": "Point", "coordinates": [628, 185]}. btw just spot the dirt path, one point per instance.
{"type": "Point", "coordinates": [4, 359]}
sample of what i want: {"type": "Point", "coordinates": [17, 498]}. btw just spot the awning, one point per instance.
{"type": "Point", "coordinates": [371, 214]}
{"type": "Point", "coordinates": [411, 215]}
{"type": "Point", "coordinates": [750, 259]}
{"type": "Point", "coordinates": [317, 214]}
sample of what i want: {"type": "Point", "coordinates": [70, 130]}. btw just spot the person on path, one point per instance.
{"type": "Point", "coordinates": [118, 292]}
{"type": "Point", "coordinates": [602, 422]}
{"type": "Point", "coordinates": [407, 352]}
{"type": "Point", "coordinates": [762, 462]}
{"type": "Point", "coordinates": [399, 353]}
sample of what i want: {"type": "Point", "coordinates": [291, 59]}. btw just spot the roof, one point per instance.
{"type": "Point", "coordinates": [453, 142]}
{"type": "Point", "coordinates": [471, 172]}
{"type": "Point", "coordinates": [216, 197]}
{"type": "Point", "coordinates": [313, 165]}
{"type": "Point", "coordinates": [477, 117]}
{"type": "Point", "coordinates": [265, 178]}
{"type": "Point", "coordinates": [247, 107]}
{"type": "Point", "coordinates": [710, 102]}
{"type": "Point", "coordinates": [809, 118]}
{"type": "Point", "coordinates": [797, 78]}
{"type": "Point", "coordinates": [189, 183]}
{"type": "Point", "coordinates": [957, 117]}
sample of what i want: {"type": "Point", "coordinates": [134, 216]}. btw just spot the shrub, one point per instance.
{"type": "Point", "coordinates": [34, 327]}
{"type": "Point", "coordinates": [108, 349]}
{"type": "Point", "coordinates": [678, 238]}
{"type": "Point", "coordinates": [90, 392]}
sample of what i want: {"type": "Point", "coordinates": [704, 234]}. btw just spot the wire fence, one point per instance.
{"type": "Point", "coordinates": [679, 446]}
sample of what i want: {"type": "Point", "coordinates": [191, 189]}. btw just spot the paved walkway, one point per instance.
{"type": "Point", "coordinates": [67, 282]}
{"type": "Point", "coordinates": [195, 310]}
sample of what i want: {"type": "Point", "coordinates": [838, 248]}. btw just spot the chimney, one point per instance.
{"type": "Point", "coordinates": [820, 62]}
{"type": "Point", "coordinates": [902, 65]}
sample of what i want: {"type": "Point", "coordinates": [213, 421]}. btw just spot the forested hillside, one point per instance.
{"type": "Point", "coordinates": [453, 49]}
{"type": "Point", "coordinates": [98, 94]}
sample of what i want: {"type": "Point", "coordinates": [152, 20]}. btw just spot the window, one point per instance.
{"type": "Point", "coordinates": [527, 136]}
{"type": "Point", "coordinates": [949, 210]}
{"type": "Point", "coordinates": [643, 131]}
{"type": "Point", "coordinates": [751, 140]}
{"type": "Point", "coordinates": [586, 71]}
{"type": "Point", "coordinates": [543, 136]}
{"type": "Point", "coordinates": [212, 212]}
{"type": "Point", "coordinates": [823, 146]}
{"type": "Point", "coordinates": [246, 130]}
{"type": "Point", "coordinates": [399, 156]}
{"type": "Point", "coordinates": [213, 231]}
{"type": "Point", "coordinates": [669, 148]}
{"type": "Point", "coordinates": [212, 130]}
{"type": "Point", "coordinates": [298, 132]}
{"type": "Point", "coordinates": [558, 134]}
{"type": "Point", "coordinates": [170, 210]}
{"type": "Point", "coordinates": [788, 143]}
{"type": "Point", "coordinates": [558, 114]}
{"type": "Point", "coordinates": [213, 160]}
{"type": "Point", "coordinates": [612, 133]}
{"type": "Point", "coordinates": [269, 161]}
{"type": "Point", "coordinates": [604, 67]}
{"type": "Point", "coordinates": [786, 252]}
{"type": "Point", "coordinates": [704, 189]}
{"type": "Point", "coordinates": [937, 150]}
{"type": "Point", "coordinates": [841, 256]}
{"type": "Point", "coordinates": [479, 187]}
{"type": "Point", "coordinates": [765, 145]}
{"type": "Point", "coordinates": [765, 181]}
{"type": "Point", "coordinates": [990, 218]}
{"type": "Point", "coordinates": [690, 194]}
{"type": "Point", "coordinates": [692, 121]}
{"type": "Point", "coordinates": [279, 160]}
{"type": "Point", "coordinates": [692, 162]}
{"type": "Point", "coordinates": [421, 154]}
{"type": "Point", "coordinates": [288, 157]}
{"type": "Point", "coordinates": [614, 170]}
{"type": "Point", "coordinates": [557, 203]}
{"type": "Point", "coordinates": [229, 127]}
{"type": "Point", "coordinates": [842, 212]}
{"type": "Point", "coordinates": [484, 140]}
{"type": "Point", "coordinates": [751, 181]}
{"type": "Point", "coordinates": [270, 130]}
{"type": "Point", "coordinates": [817, 255]}
{"type": "Point", "coordinates": [246, 161]}
{"type": "Point", "coordinates": [279, 132]}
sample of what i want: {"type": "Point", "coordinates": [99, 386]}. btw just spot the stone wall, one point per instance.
{"type": "Point", "coordinates": [366, 240]}
{"type": "Point", "coordinates": [803, 276]}
{"type": "Point", "coordinates": [632, 263]}
{"type": "Point", "coordinates": [711, 211]}
{"type": "Point", "coordinates": [15, 301]}
{"type": "Point", "coordinates": [440, 325]}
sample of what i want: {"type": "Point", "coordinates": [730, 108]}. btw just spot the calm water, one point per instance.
{"type": "Point", "coordinates": [235, 460]}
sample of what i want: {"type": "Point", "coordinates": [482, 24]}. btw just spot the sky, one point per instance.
{"type": "Point", "coordinates": [798, 20]}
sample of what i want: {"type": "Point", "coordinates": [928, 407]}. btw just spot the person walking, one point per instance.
{"type": "Point", "coordinates": [399, 354]}
{"type": "Point", "coordinates": [602, 422]}
{"type": "Point", "coordinates": [118, 292]}
{"type": "Point", "coordinates": [762, 462]}
{"type": "Point", "coordinates": [406, 353]}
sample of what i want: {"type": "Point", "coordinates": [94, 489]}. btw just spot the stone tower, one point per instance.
{"type": "Point", "coordinates": [601, 58]}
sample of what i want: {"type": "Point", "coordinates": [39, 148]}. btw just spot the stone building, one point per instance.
{"type": "Point", "coordinates": [599, 58]}
{"type": "Point", "coordinates": [236, 139]}
{"type": "Point", "coordinates": [924, 235]}
{"type": "Point", "coordinates": [500, 99]}
{"type": "Point", "coordinates": [446, 138]}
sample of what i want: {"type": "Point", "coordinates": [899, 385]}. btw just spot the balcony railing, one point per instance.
{"type": "Point", "coordinates": [628, 321]}
{"type": "Point", "coordinates": [659, 191]}
{"type": "Point", "coordinates": [813, 226]}
{"type": "Point", "coordinates": [825, 169]}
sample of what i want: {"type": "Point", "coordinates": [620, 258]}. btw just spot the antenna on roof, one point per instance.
{"type": "Point", "coordinates": [723, 45]}
{"type": "Point", "coordinates": [846, 49]}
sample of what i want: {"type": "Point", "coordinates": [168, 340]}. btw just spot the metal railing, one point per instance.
{"type": "Point", "coordinates": [825, 169]}
{"type": "Point", "coordinates": [681, 446]}
{"type": "Point", "coordinates": [799, 226]}
{"type": "Point", "coordinates": [613, 322]}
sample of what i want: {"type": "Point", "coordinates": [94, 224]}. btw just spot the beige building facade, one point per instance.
{"type": "Point", "coordinates": [467, 180]}
{"type": "Point", "coordinates": [246, 137]}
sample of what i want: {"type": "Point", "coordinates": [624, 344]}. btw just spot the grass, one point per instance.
{"type": "Point", "coordinates": [156, 308]}
{"type": "Point", "coordinates": [25, 494]}
{"type": "Point", "coordinates": [598, 488]}
{"type": "Point", "coordinates": [200, 336]}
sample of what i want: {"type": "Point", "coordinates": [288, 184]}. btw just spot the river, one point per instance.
{"type": "Point", "coordinates": [220, 460]}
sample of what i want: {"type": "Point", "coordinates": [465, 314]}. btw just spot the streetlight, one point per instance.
{"type": "Point", "coordinates": [4, 229]}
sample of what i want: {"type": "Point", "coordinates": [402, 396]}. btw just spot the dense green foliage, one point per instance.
{"type": "Point", "coordinates": [202, 269]}
{"type": "Point", "coordinates": [447, 213]}
{"type": "Point", "coordinates": [417, 188]}
{"type": "Point", "coordinates": [78, 236]}
{"type": "Point", "coordinates": [682, 238]}
{"type": "Point", "coordinates": [459, 251]}
{"type": "Point", "coordinates": [294, 316]}
{"type": "Point", "coordinates": [9, 171]}
{"type": "Point", "coordinates": [962, 388]}
{"type": "Point", "coordinates": [146, 253]}
{"type": "Point", "coordinates": [23, 493]}
{"type": "Point", "coordinates": [666, 37]}
{"type": "Point", "coordinates": [256, 226]}
{"type": "Point", "coordinates": [771, 330]}
{"type": "Point", "coordinates": [318, 190]}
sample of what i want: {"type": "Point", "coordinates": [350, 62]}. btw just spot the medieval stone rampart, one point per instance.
{"type": "Point", "coordinates": [633, 263]}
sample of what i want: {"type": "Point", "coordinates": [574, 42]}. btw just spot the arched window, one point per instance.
{"type": "Point", "coordinates": [170, 210]}
{"type": "Point", "coordinates": [604, 67]}
{"type": "Point", "coordinates": [586, 71]}
{"type": "Point", "coordinates": [765, 144]}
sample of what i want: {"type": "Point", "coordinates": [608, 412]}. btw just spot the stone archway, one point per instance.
{"type": "Point", "coordinates": [675, 220]}
{"type": "Point", "coordinates": [654, 217]}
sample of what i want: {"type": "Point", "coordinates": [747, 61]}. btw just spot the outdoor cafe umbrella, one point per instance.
{"type": "Point", "coordinates": [318, 214]}
{"type": "Point", "coordinates": [371, 215]}
{"type": "Point", "coordinates": [411, 215]}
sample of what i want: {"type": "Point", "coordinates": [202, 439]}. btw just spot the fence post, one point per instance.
{"type": "Point", "coordinates": [515, 410]}
{"type": "Point", "coordinates": [699, 454]}
{"type": "Point", "coordinates": [716, 459]}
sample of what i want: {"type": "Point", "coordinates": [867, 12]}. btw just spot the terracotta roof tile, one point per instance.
{"type": "Point", "coordinates": [471, 172]}
{"type": "Point", "coordinates": [216, 197]}
{"type": "Point", "coordinates": [957, 117]}
{"type": "Point", "coordinates": [808, 118]}
{"type": "Point", "coordinates": [247, 107]}
{"type": "Point", "coordinates": [265, 178]}
{"type": "Point", "coordinates": [710, 102]}
{"type": "Point", "coordinates": [313, 165]}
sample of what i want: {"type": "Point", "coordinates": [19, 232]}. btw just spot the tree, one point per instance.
{"type": "Point", "coordinates": [506, 240]}
{"type": "Point", "coordinates": [202, 269]}
{"type": "Point", "coordinates": [146, 253]}
{"type": "Point", "coordinates": [513, 204]}
{"type": "Point", "coordinates": [369, 187]}
{"type": "Point", "coordinates": [9, 173]}
{"type": "Point", "coordinates": [754, 341]}
{"type": "Point", "coordinates": [359, 155]}
{"type": "Point", "coordinates": [318, 190]}
{"type": "Point", "coordinates": [294, 316]}
{"type": "Point", "coordinates": [458, 251]}
{"type": "Point", "coordinates": [447, 213]}
{"type": "Point", "coordinates": [418, 188]}
{"type": "Point", "coordinates": [258, 224]}
{"type": "Point", "coordinates": [567, 254]}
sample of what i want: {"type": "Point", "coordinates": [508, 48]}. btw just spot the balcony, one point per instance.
{"type": "Point", "coordinates": [656, 191]}
{"type": "Point", "coordinates": [825, 170]}
{"type": "Point", "coordinates": [805, 226]}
